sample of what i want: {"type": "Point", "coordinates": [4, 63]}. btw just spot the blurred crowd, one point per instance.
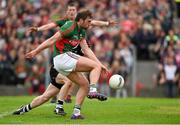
{"type": "Point", "coordinates": [144, 25]}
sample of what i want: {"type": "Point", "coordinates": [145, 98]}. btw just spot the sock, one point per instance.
{"type": "Point", "coordinates": [93, 87]}
{"type": "Point", "coordinates": [59, 104]}
{"type": "Point", "coordinates": [77, 110]}
{"type": "Point", "coordinates": [26, 108]}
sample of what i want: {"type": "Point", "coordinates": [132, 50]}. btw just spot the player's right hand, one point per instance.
{"type": "Point", "coordinates": [112, 22]}
{"type": "Point", "coordinates": [31, 54]}
{"type": "Point", "coordinates": [33, 29]}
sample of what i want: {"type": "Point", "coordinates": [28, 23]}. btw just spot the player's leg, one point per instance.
{"type": "Point", "coordinates": [83, 83]}
{"type": "Point", "coordinates": [62, 94]}
{"type": "Point", "coordinates": [83, 65]}
{"type": "Point", "coordinates": [70, 91]}
{"type": "Point", "coordinates": [50, 92]}
{"type": "Point", "coordinates": [65, 89]}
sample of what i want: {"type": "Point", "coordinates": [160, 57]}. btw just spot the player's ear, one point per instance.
{"type": "Point", "coordinates": [81, 21]}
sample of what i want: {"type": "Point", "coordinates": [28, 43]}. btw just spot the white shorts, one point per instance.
{"type": "Point", "coordinates": [65, 63]}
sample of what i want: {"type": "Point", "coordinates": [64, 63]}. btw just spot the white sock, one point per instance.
{"type": "Point", "coordinates": [93, 87]}
{"type": "Point", "coordinates": [77, 110]}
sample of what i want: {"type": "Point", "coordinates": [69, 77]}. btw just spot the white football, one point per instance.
{"type": "Point", "coordinates": [116, 81]}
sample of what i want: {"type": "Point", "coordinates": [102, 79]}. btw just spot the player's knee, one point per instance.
{"type": "Point", "coordinates": [98, 67]}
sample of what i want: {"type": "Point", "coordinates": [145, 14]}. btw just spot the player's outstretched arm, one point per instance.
{"type": "Point", "coordinates": [43, 27]}
{"type": "Point", "coordinates": [49, 42]}
{"type": "Point", "coordinates": [103, 23]}
{"type": "Point", "coordinates": [90, 54]}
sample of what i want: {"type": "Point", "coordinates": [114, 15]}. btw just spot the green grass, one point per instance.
{"type": "Point", "coordinates": [113, 111]}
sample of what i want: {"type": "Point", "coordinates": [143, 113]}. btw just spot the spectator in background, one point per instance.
{"type": "Point", "coordinates": [158, 49]}
{"type": "Point", "coordinates": [144, 38]}
{"type": "Point", "coordinates": [159, 79]}
{"type": "Point", "coordinates": [169, 71]}
{"type": "Point", "coordinates": [6, 69]}
{"type": "Point", "coordinates": [125, 51]}
{"type": "Point", "coordinates": [170, 39]}
{"type": "Point", "coordinates": [21, 68]}
{"type": "Point", "coordinates": [36, 80]}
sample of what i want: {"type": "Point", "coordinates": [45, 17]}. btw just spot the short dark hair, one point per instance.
{"type": "Point", "coordinates": [72, 4]}
{"type": "Point", "coordinates": [83, 15]}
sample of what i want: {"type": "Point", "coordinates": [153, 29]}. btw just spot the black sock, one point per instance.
{"type": "Point", "coordinates": [27, 108]}
{"type": "Point", "coordinates": [59, 104]}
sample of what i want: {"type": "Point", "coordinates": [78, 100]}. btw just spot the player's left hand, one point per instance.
{"type": "Point", "coordinates": [104, 70]}
{"type": "Point", "coordinates": [31, 54]}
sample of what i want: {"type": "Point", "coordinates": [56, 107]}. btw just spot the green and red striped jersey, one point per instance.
{"type": "Point", "coordinates": [71, 36]}
{"type": "Point", "coordinates": [61, 21]}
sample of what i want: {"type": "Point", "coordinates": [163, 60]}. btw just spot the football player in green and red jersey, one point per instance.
{"type": "Point", "coordinates": [66, 90]}
{"type": "Point", "coordinates": [68, 63]}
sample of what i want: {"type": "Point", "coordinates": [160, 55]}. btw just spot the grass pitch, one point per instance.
{"type": "Point", "coordinates": [112, 111]}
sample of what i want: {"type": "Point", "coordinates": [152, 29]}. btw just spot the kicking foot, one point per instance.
{"type": "Point", "coordinates": [77, 117]}
{"type": "Point", "coordinates": [96, 95]}
{"type": "Point", "coordinates": [60, 111]}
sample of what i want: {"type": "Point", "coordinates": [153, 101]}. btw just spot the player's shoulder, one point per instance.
{"type": "Point", "coordinates": [63, 18]}
{"type": "Point", "coordinates": [70, 22]}
{"type": "Point", "coordinates": [61, 21]}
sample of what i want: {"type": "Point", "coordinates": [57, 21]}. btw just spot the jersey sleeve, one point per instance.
{"type": "Point", "coordinates": [60, 22]}
{"type": "Point", "coordinates": [67, 29]}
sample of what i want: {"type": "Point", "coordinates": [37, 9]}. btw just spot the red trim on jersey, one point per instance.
{"type": "Point", "coordinates": [71, 42]}
{"type": "Point", "coordinates": [60, 43]}
{"type": "Point", "coordinates": [70, 29]}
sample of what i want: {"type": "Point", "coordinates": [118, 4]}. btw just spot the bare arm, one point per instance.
{"type": "Point", "coordinates": [47, 26]}
{"type": "Point", "coordinates": [88, 52]}
{"type": "Point", "coordinates": [49, 42]}
{"type": "Point", "coordinates": [42, 28]}
{"type": "Point", "coordinates": [103, 23]}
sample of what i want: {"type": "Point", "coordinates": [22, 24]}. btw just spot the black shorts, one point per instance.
{"type": "Point", "coordinates": [59, 86]}
{"type": "Point", "coordinates": [53, 74]}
